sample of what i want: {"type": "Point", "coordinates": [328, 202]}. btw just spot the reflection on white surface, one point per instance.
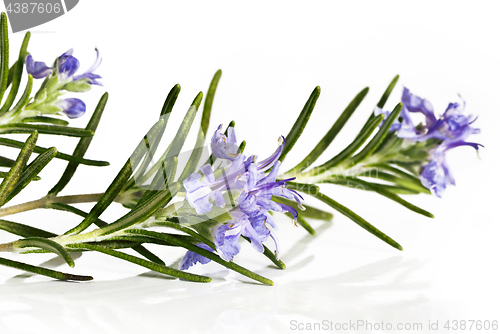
{"type": "Point", "coordinates": [388, 287]}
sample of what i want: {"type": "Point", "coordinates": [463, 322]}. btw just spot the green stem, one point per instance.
{"type": "Point", "coordinates": [44, 202]}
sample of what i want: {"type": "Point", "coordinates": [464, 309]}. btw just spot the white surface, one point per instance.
{"type": "Point", "coordinates": [272, 56]}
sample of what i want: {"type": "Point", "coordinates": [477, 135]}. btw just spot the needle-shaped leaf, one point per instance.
{"type": "Point", "coordinates": [384, 192]}
{"type": "Point", "coordinates": [209, 100]}
{"type": "Point", "coordinates": [23, 101]}
{"type": "Point", "coordinates": [357, 219]}
{"type": "Point", "coordinates": [4, 52]}
{"type": "Point", "coordinates": [270, 255]}
{"type": "Point", "coordinates": [117, 185]}
{"type": "Point", "coordinates": [142, 212]}
{"type": "Point", "coordinates": [209, 255]}
{"type": "Point", "coordinates": [6, 162]}
{"type": "Point", "coordinates": [4, 174]}
{"type": "Point", "coordinates": [300, 123]}
{"type": "Point", "coordinates": [31, 171]}
{"type": "Point", "coordinates": [17, 75]}
{"type": "Point", "coordinates": [378, 138]}
{"type": "Point", "coordinates": [194, 158]}
{"type": "Point", "coordinates": [44, 271]}
{"type": "Point", "coordinates": [349, 150]}
{"type": "Point", "coordinates": [45, 129]}
{"type": "Point", "coordinates": [302, 222]}
{"type": "Point", "coordinates": [387, 92]}
{"type": "Point", "coordinates": [176, 145]}
{"type": "Point", "coordinates": [147, 264]}
{"type": "Point", "coordinates": [197, 151]}
{"type": "Point", "coordinates": [82, 146]}
{"type": "Point", "coordinates": [38, 149]}
{"type": "Point", "coordinates": [168, 105]}
{"type": "Point", "coordinates": [183, 131]}
{"type": "Point", "coordinates": [384, 98]}
{"type": "Point", "coordinates": [332, 133]}
{"type": "Point", "coordinates": [24, 230]}
{"type": "Point", "coordinates": [46, 244]}
{"type": "Point", "coordinates": [10, 181]}
{"type": "Point", "coordinates": [100, 223]}
{"type": "Point", "coordinates": [310, 212]}
{"type": "Point", "coordinates": [45, 119]}
{"type": "Point", "coordinates": [402, 182]}
{"type": "Point", "coordinates": [163, 177]}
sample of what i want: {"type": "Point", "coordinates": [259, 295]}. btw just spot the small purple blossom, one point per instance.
{"type": "Point", "coordinates": [451, 129]}
{"type": "Point", "coordinates": [66, 67]}
{"type": "Point", "coordinates": [191, 258]}
{"type": "Point", "coordinates": [224, 147]}
{"type": "Point", "coordinates": [38, 69]}
{"type": "Point", "coordinates": [250, 211]}
{"type": "Point", "coordinates": [72, 107]}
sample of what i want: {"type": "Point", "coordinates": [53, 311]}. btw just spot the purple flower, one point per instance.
{"type": "Point", "coordinates": [72, 107]}
{"type": "Point", "coordinates": [451, 129]}
{"type": "Point", "coordinates": [66, 67]}
{"type": "Point", "coordinates": [191, 258]}
{"type": "Point", "coordinates": [37, 69]}
{"type": "Point", "coordinates": [246, 179]}
{"type": "Point", "coordinates": [199, 191]}
{"type": "Point", "coordinates": [88, 74]}
{"type": "Point", "coordinates": [224, 147]}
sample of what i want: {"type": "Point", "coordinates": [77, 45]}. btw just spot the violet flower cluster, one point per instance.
{"type": "Point", "coordinates": [61, 77]}
{"type": "Point", "coordinates": [245, 190]}
{"type": "Point", "coordinates": [451, 130]}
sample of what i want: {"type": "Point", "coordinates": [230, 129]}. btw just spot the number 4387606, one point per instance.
{"type": "Point", "coordinates": [455, 325]}
{"type": "Point", "coordinates": [33, 7]}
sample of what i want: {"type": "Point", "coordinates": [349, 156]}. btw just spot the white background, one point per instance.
{"type": "Point", "coordinates": [272, 56]}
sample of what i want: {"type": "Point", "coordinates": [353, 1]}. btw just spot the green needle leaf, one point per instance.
{"type": "Point", "coordinates": [357, 219]}
{"type": "Point", "coordinates": [176, 145]}
{"type": "Point", "coordinates": [383, 98]}
{"type": "Point", "coordinates": [17, 75]}
{"type": "Point", "coordinates": [209, 100]}
{"type": "Point", "coordinates": [15, 172]}
{"type": "Point", "coordinates": [119, 182]}
{"type": "Point", "coordinates": [379, 137]}
{"type": "Point", "coordinates": [81, 147]}
{"type": "Point", "coordinates": [44, 271]}
{"type": "Point", "coordinates": [45, 119]}
{"type": "Point", "coordinates": [387, 93]}
{"type": "Point", "coordinates": [300, 123]}
{"type": "Point", "coordinates": [32, 171]}
{"type": "Point", "coordinates": [59, 155]}
{"type": "Point", "coordinates": [100, 223]}
{"type": "Point", "coordinates": [302, 222]}
{"type": "Point", "coordinates": [48, 245]}
{"type": "Point", "coordinates": [270, 255]}
{"type": "Point", "coordinates": [147, 264]}
{"type": "Point", "coordinates": [310, 212]}
{"type": "Point", "coordinates": [4, 50]}
{"type": "Point", "coordinates": [142, 212]}
{"type": "Point", "coordinates": [332, 133]}
{"type": "Point", "coordinates": [170, 100]}
{"type": "Point", "coordinates": [23, 101]}
{"type": "Point", "coordinates": [209, 255]}
{"type": "Point", "coordinates": [45, 129]}
{"type": "Point", "coordinates": [168, 105]}
{"type": "Point", "coordinates": [6, 162]}
{"type": "Point", "coordinates": [382, 191]}
{"type": "Point", "coordinates": [24, 231]}
{"type": "Point", "coordinates": [349, 150]}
